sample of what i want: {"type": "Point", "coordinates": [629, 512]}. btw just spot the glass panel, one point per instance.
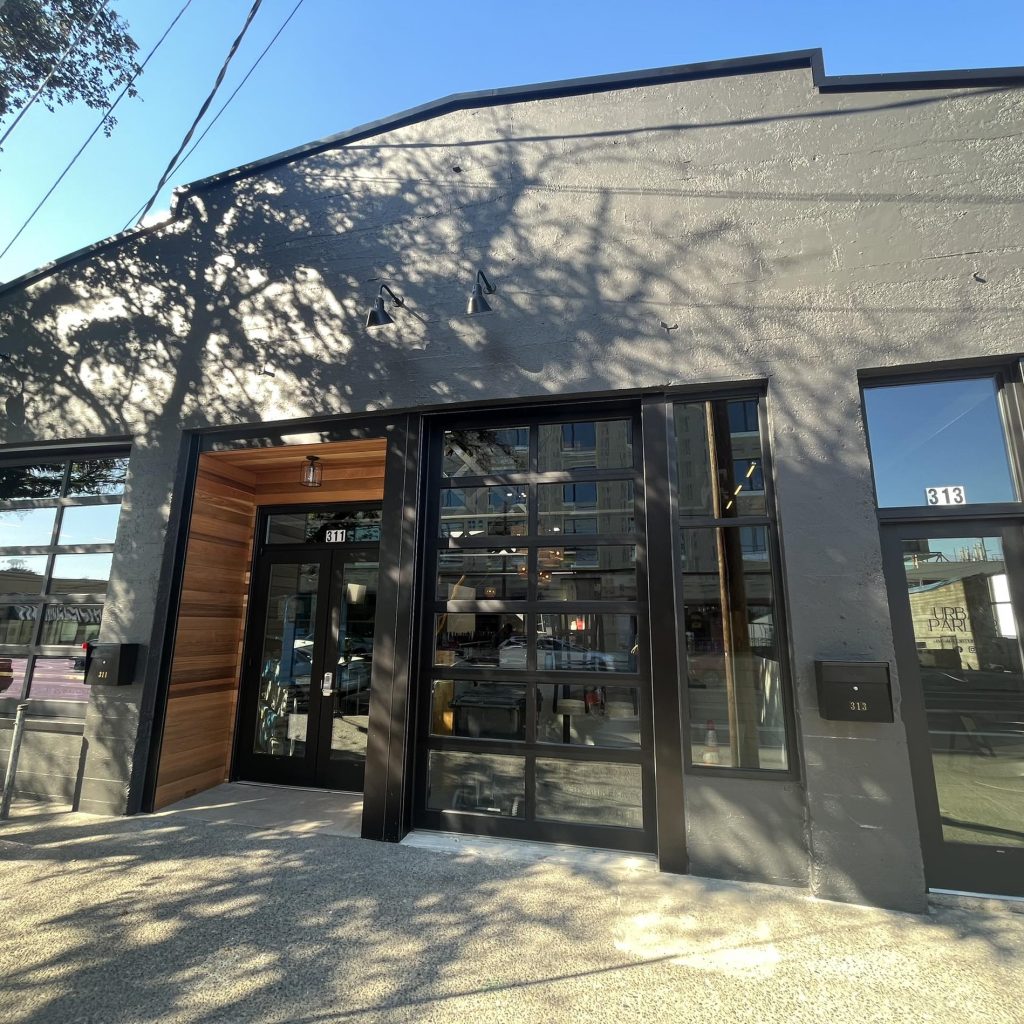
{"type": "Point", "coordinates": [286, 662]}
{"type": "Point", "coordinates": [350, 712]}
{"type": "Point", "coordinates": [492, 574]}
{"type": "Point", "coordinates": [479, 783]}
{"type": "Point", "coordinates": [719, 440]}
{"type": "Point", "coordinates": [361, 526]}
{"type": "Point", "coordinates": [71, 623]}
{"type": "Point", "coordinates": [483, 511]}
{"type": "Point", "coordinates": [59, 679]}
{"type": "Point", "coordinates": [12, 676]}
{"type": "Point", "coordinates": [590, 792]}
{"type": "Point", "coordinates": [89, 524]}
{"type": "Point", "coordinates": [592, 716]}
{"type": "Point", "coordinates": [80, 574]}
{"type": "Point", "coordinates": [26, 527]}
{"type": "Point", "coordinates": [462, 707]}
{"type": "Point", "coordinates": [734, 683]}
{"type": "Point", "coordinates": [97, 476]}
{"type": "Point", "coordinates": [22, 574]}
{"type": "Point", "coordinates": [17, 623]}
{"type": "Point", "coordinates": [693, 459]}
{"type": "Point", "coordinates": [938, 436]}
{"type": "Point", "coordinates": [968, 649]}
{"type": "Point", "coordinates": [465, 640]}
{"type": "Point", "coordinates": [600, 573]}
{"type": "Point", "coordinates": [604, 444]}
{"type": "Point", "coordinates": [604, 506]}
{"type": "Point", "coordinates": [40, 481]}
{"type": "Point", "coordinates": [582, 642]}
{"type": "Point", "coordinates": [483, 452]}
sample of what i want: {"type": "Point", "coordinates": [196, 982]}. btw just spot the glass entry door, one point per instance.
{"type": "Point", "coordinates": [957, 600]}
{"type": "Point", "coordinates": [306, 689]}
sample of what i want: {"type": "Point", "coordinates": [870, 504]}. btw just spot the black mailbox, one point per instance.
{"type": "Point", "coordinates": [111, 664]}
{"type": "Point", "coordinates": [854, 691]}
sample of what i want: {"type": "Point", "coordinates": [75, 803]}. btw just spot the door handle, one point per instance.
{"type": "Point", "coordinates": [325, 684]}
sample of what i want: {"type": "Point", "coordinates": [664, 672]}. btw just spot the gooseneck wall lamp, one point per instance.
{"type": "Point", "coordinates": [477, 303]}
{"type": "Point", "coordinates": [378, 315]}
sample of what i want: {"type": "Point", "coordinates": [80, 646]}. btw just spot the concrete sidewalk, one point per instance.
{"type": "Point", "coordinates": [175, 919]}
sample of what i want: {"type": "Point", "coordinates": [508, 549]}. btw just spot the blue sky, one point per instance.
{"type": "Point", "coordinates": [941, 434]}
{"type": "Point", "coordinates": [340, 63]}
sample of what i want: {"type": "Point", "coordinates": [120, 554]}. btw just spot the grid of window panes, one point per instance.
{"type": "Point", "coordinates": [58, 519]}
{"type": "Point", "coordinates": [537, 707]}
{"type": "Point", "coordinates": [734, 692]}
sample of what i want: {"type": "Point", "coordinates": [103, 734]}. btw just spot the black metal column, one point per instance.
{"type": "Point", "coordinates": [387, 795]}
{"type": "Point", "coordinates": [662, 577]}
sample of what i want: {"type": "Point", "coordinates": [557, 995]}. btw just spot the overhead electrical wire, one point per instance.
{"type": "Point", "coordinates": [56, 64]}
{"type": "Point", "coordinates": [135, 217]}
{"type": "Point", "coordinates": [110, 109]}
{"type": "Point", "coordinates": [202, 111]}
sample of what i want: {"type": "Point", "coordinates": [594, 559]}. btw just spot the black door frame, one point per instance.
{"type": "Point", "coordinates": [314, 768]}
{"type": "Point", "coordinates": [954, 866]}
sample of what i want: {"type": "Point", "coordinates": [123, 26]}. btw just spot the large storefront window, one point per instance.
{"type": "Point", "coordinates": [538, 703]}
{"type": "Point", "coordinates": [58, 519]}
{"type": "Point", "coordinates": [733, 664]}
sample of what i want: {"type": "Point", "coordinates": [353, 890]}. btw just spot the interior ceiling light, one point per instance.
{"type": "Point", "coordinates": [378, 316]}
{"type": "Point", "coordinates": [312, 474]}
{"type": "Point", "coordinates": [477, 303]}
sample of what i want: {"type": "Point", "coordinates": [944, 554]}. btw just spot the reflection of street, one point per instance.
{"type": "Point", "coordinates": [968, 652]}
{"type": "Point", "coordinates": [58, 679]}
{"type": "Point", "coordinates": [976, 726]}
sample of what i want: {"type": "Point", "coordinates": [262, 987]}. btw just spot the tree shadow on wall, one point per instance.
{"type": "Point", "coordinates": [638, 259]}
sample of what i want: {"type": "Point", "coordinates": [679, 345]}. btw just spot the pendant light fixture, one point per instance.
{"type": "Point", "coordinates": [312, 474]}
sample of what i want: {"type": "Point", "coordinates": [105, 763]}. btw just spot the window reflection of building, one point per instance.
{"type": "Point", "coordinates": [960, 606]}
{"type": "Point", "coordinates": [734, 672]}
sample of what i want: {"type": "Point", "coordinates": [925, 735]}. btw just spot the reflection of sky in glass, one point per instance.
{"type": "Point", "coordinates": [89, 524]}
{"type": "Point", "coordinates": [943, 434]}
{"type": "Point", "coordinates": [83, 567]}
{"type": "Point", "coordinates": [26, 527]}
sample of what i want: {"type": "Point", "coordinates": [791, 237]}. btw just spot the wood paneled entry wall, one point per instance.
{"type": "Point", "coordinates": [195, 753]}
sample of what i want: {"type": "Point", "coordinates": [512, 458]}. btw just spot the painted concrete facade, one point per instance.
{"type": "Point", "coordinates": [746, 226]}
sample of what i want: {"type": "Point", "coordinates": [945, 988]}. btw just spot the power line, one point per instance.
{"type": "Point", "coordinates": [135, 217]}
{"type": "Point", "coordinates": [102, 121]}
{"type": "Point", "coordinates": [202, 111]}
{"type": "Point", "coordinates": [57, 63]}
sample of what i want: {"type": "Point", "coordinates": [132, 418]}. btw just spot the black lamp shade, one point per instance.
{"type": "Point", "coordinates": [481, 287]}
{"type": "Point", "coordinates": [378, 316]}
{"type": "Point", "coordinates": [477, 303]}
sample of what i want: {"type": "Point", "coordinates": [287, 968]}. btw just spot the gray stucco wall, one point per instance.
{"type": "Point", "coordinates": [780, 234]}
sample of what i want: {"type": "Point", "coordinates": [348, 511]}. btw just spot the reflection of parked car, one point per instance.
{"type": "Point", "coordinates": [553, 653]}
